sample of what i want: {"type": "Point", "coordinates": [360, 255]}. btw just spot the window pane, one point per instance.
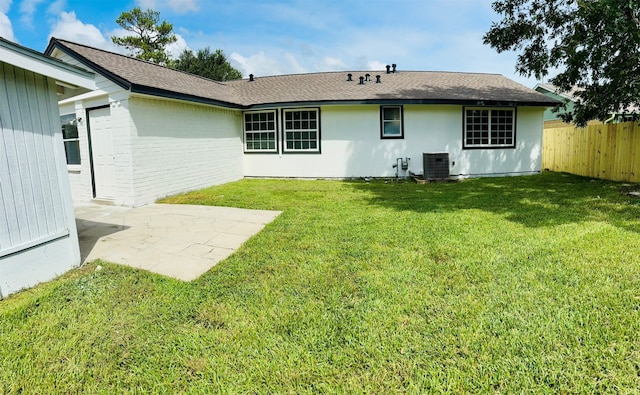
{"type": "Point", "coordinates": [391, 113]}
{"type": "Point", "coordinates": [72, 149]}
{"type": "Point", "coordinates": [392, 128]}
{"type": "Point", "coordinates": [69, 131]}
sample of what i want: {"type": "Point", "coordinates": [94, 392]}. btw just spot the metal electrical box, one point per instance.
{"type": "Point", "coordinates": [436, 165]}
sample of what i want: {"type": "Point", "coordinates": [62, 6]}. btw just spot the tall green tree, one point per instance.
{"type": "Point", "coordinates": [150, 37]}
{"type": "Point", "coordinates": [594, 43]}
{"type": "Point", "coordinates": [204, 63]}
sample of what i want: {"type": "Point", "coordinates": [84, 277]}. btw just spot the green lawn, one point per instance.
{"type": "Point", "coordinates": [498, 285]}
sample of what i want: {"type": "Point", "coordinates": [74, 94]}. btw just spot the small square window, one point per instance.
{"type": "Point", "coordinates": [391, 122]}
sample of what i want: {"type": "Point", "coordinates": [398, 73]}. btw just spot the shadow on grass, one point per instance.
{"type": "Point", "coordinates": [548, 199]}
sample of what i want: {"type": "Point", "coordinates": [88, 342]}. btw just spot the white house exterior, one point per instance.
{"type": "Point", "coordinates": [38, 238]}
{"type": "Point", "coordinates": [150, 131]}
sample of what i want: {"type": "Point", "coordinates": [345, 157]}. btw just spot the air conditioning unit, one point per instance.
{"type": "Point", "coordinates": [436, 165]}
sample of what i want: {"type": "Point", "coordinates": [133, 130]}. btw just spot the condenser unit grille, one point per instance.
{"type": "Point", "coordinates": [436, 165]}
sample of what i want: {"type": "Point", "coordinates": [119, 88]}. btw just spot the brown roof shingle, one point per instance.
{"type": "Point", "coordinates": [401, 86]}
{"type": "Point", "coordinates": [408, 86]}
{"type": "Point", "coordinates": [146, 77]}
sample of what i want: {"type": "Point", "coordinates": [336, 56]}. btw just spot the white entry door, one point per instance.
{"type": "Point", "coordinates": [104, 179]}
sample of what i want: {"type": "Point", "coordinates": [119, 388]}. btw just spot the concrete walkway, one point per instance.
{"type": "Point", "coordinates": [180, 241]}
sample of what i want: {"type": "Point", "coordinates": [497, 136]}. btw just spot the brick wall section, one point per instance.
{"type": "Point", "coordinates": [178, 147]}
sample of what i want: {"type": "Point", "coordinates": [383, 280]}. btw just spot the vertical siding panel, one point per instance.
{"type": "Point", "coordinates": [20, 106]}
{"type": "Point", "coordinates": [8, 221]}
{"type": "Point", "coordinates": [31, 205]}
{"type": "Point", "coordinates": [13, 140]}
{"type": "Point", "coordinates": [51, 184]}
{"type": "Point", "coordinates": [41, 136]}
{"type": "Point", "coordinates": [35, 153]}
{"type": "Point", "coordinates": [50, 116]}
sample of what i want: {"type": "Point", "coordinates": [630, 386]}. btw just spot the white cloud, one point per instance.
{"type": "Point", "coordinates": [261, 64]}
{"type": "Point", "coordinates": [183, 6]}
{"type": "Point", "coordinates": [145, 4]}
{"type": "Point", "coordinates": [178, 6]}
{"type": "Point", "coordinates": [376, 65]}
{"type": "Point", "coordinates": [57, 7]}
{"type": "Point", "coordinates": [4, 6]}
{"type": "Point", "coordinates": [6, 29]}
{"type": "Point", "coordinates": [329, 63]}
{"type": "Point", "coordinates": [70, 28]}
{"type": "Point", "coordinates": [27, 9]}
{"type": "Point", "coordinates": [175, 49]}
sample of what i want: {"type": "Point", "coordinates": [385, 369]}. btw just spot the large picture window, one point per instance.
{"type": "Point", "coordinates": [391, 122]}
{"type": "Point", "coordinates": [260, 131]}
{"type": "Point", "coordinates": [302, 130]}
{"type": "Point", "coordinates": [489, 128]}
{"type": "Point", "coordinates": [71, 139]}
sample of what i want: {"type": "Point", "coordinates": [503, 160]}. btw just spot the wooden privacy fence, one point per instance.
{"type": "Point", "coordinates": [610, 152]}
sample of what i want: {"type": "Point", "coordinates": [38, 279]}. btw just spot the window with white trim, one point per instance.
{"type": "Point", "coordinates": [260, 131]}
{"type": "Point", "coordinates": [391, 122]}
{"type": "Point", "coordinates": [489, 128]}
{"type": "Point", "coordinates": [70, 137]}
{"type": "Point", "coordinates": [302, 130]}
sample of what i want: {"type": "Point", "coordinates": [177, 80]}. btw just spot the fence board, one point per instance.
{"type": "Point", "coordinates": [602, 151]}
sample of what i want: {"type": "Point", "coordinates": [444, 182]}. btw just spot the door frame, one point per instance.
{"type": "Point", "coordinates": [90, 143]}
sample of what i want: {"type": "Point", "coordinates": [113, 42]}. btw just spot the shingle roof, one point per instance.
{"type": "Point", "coordinates": [407, 86]}
{"type": "Point", "coordinates": [146, 77]}
{"type": "Point", "coordinates": [332, 87]}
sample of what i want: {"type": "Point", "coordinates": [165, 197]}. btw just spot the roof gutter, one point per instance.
{"type": "Point", "coordinates": [145, 90]}
{"type": "Point", "coordinates": [479, 103]}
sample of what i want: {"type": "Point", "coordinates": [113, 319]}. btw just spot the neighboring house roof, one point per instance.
{"type": "Point", "coordinates": [549, 88]}
{"type": "Point", "coordinates": [28, 59]}
{"type": "Point", "coordinates": [330, 87]}
{"type": "Point", "coordinates": [571, 95]}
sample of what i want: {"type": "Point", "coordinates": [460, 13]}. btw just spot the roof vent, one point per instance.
{"type": "Point", "coordinates": [394, 68]}
{"type": "Point", "coordinates": [388, 67]}
{"type": "Point", "coordinates": [250, 77]}
{"type": "Point", "coordinates": [378, 79]}
{"type": "Point", "coordinates": [367, 77]}
{"type": "Point", "coordinates": [361, 80]}
{"type": "Point", "coordinates": [349, 77]}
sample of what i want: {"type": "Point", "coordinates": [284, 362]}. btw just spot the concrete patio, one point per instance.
{"type": "Point", "coordinates": [180, 241]}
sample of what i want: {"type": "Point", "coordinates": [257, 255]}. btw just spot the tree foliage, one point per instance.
{"type": "Point", "coordinates": [150, 38]}
{"type": "Point", "coordinates": [204, 63]}
{"type": "Point", "coordinates": [594, 43]}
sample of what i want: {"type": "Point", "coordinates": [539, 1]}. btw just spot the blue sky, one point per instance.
{"type": "Point", "coordinates": [267, 37]}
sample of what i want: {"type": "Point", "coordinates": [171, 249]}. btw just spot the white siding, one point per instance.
{"type": "Point", "coordinates": [178, 147]}
{"type": "Point", "coordinates": [80, 175]}
{"type": "Point", "coordinates": [36, 216]}
{"type": "Point", "coordinates": [351, 145]}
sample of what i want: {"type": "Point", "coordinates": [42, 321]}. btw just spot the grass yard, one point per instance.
{"type": "Point", "coordinates": [499, 285]}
